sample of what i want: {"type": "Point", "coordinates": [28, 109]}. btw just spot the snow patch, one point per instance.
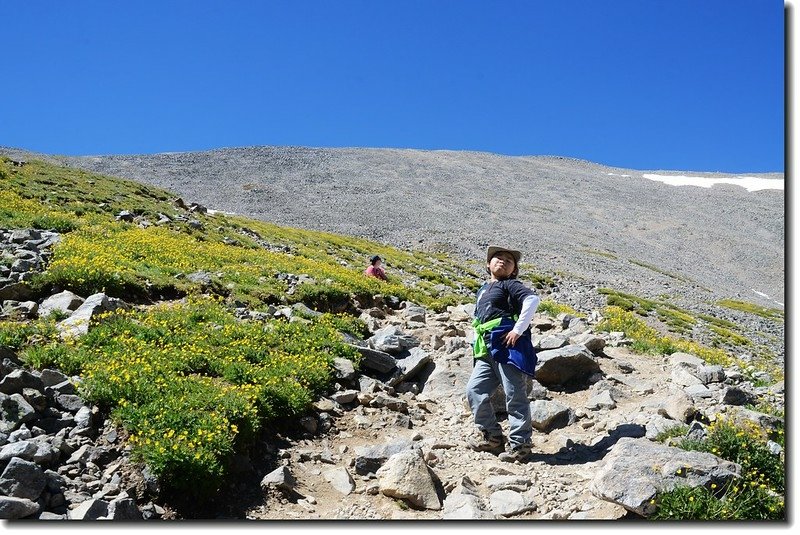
{"type": "Point", "coordinates": [750, 183]}
{"type": "Point", "coordinates": [765, 296]}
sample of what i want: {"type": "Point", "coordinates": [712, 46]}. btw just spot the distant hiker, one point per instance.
{"type": "Point", "coordinates": [504, 354]}
{"type": "Point", "coordinates": [375, 269]}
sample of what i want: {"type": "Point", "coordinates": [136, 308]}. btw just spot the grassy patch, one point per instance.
{"type": "Point", "coordinates": [596, 252]}
{"type": "Point", "coordinates": [677, 320]}
{"type": "Point", "coordinates": [648, 340]}
{"type": "Point", "coordinates": [728, 337]}
{"type": "Point", "coordinates": [744, 306]}
{"type": "Point", "coordinates": [536, 280]}
{"type": "Point", "coordinates": [659, 270]}
{"type": "Point", "coordinates": [553, 309]}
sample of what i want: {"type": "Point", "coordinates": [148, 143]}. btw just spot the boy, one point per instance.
{"type": "Point", "coordinates": [504, 355]}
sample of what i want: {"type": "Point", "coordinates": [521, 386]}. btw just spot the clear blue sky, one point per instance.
{"type": "Point", "coordinates": [644, 84]}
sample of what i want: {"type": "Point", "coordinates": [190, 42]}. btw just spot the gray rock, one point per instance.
{"type": "Point", "coordinates": [343, 369]}
{"type": "Point", "coordinates": [22, 479]}
{"type": "Point", "coordinates": [280, 478]}
{"type": "Point", "coordinates": [392, 340]}
{"type": "Point", "coordinates": [65, 302]}
{"type": "Point", "coordinates": [24, 450]}
{"type": "Point", "coordinates": [637, 470]}
{"type": "Point", "coordinates": [340, 479]}
{"type": "Point", "coordinates": [734, 395]}
{"type": "Point", "coordinates": [698, 391]}
{"type": "Point", "coordinates": [464, 507]}
{"type": "Point", "coordinates": [14, 411]}
{"type": "Point", "coordinates": [510, 503]}
{"type": "Point", "coordinates": [84, 417]}
{"type": "Point", "coordinates": [590, 341]}
{"type": "Point", "coordinates": [603, 400]}
{"type": "Point", "coordinates": [640, 386]}
{"type": "Point", "coordinates": [345, 396]}
{"type": "Point", "coordinates": [376, 360]}
{"type": "Point", "coordinates": [684, 375]}
{"type": "Point", "coordinates": [123, 509]}
{"type": "Point", "coordinates": [710, 374]}
{"type": "Point", "coordinates": [743, 417]}
{"type": "Point", "coordinates": [686, 358]}
{"type": "Point", "coordinates": [17, 380]}
{"type": "Point", "coordinates": [12, 508]}
{"type": "Point", "coordinates": [69, 402]}
{"type": "Point", "coordinates": [406, 476]}
{"type": "Point", "coordinates": [508, 482]}
{"type": "Point", "coordinates": [567, 365]}
{"type": "Point", "coordinates": [465, 503]}
{"type": "Point", "coordinates": [578, 325]}
{"type": "Point", "coordinates": [414, 313]}
{"type": "Point", "coordinates": [408, 367]}
{"type": "Point", "coordinates": [64, 387]}
{"type": "Point", "coordinates": [90, 509]}
{"type": "Point", "coordinates": [78, 323]}
{"type": "Point", "coordinates": [678, 406]}
{"type": "Point", "coordinates": [552, 341]}
{"type": "Point", "coordinates": [18, 291]}
{"type": "Point", "coordinates": [657, 425]}
{"type": "Point", "coordinates": [549, 415]}
{"type": "Point", "coordinates": [370, 458]}
{"type": "Point", "coordinates": [47, 515]}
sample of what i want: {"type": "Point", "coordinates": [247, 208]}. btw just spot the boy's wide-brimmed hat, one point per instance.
{"type": "Point", "coordinates": [493, 250]}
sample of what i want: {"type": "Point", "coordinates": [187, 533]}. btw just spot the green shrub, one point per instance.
{"type": "Point", "coordinates": [19, 335]}
{"type": "Point", "coordinates": [619, 301]}
{"type": "Point", "coordinates": [744, 306]}
{"type": "Point", "coordinates": [677, 431]}
{"type": "Point", "coordinates": [54, 222]}
{"type": "Point", "coordinates": [553, 309]}
{"type": "Point", "coordinates": [191, 383]}
{"type": "Point", "coordinates": [734, 502]}
{"type": "Point", "coordinates": [756, 496]}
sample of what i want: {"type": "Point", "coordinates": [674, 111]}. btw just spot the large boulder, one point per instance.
{"type": "Point", "coordinates": [566, 366]}
{"type": "Point", "coordinates": [637, 470]}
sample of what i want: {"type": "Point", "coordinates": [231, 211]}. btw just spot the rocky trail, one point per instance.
{"type": "Point", "coordinates": [401, 453]}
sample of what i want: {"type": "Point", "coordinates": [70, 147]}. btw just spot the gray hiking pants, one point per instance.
{"type": "Point", "coordinates": [486, 377]}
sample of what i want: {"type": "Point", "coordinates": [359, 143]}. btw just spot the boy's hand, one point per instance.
{"type": "Point", "coordinates": [511, 338]}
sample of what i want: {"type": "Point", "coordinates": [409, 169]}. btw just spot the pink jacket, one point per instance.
{"type": "Point", "coordinates": [376, 272]}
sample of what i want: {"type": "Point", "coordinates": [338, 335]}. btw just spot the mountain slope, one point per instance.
{"type": "Point", "coordinates": [596, 225]}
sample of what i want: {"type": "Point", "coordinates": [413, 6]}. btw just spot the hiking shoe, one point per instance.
{"type": "Point", "coordinates": [491, 443]}
{"type": "Point", "coordinates": [521, 453]}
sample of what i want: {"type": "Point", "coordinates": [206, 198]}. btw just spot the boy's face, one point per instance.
{"type": "Point", "coordinates": [502, 265]}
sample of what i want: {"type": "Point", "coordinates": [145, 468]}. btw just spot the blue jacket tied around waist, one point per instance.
{"type": "Point", "coordinates": [522, 355]}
